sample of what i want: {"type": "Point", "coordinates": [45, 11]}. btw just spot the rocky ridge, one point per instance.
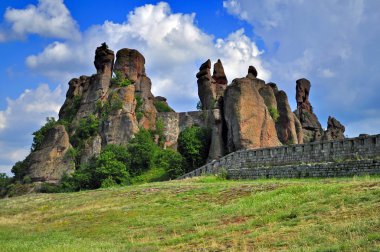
{"type": "Point", "coordinates": [246, 114]}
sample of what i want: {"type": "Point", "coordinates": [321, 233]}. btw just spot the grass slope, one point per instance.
{"type": "Point", "coordinates": [202, 214]}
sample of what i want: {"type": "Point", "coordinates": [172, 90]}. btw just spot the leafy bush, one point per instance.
{"type": "Point", "coordinates": [274, 113]}
{"type": "Point", "coordinates": [119, 80]}
{"type": "Point", "coordinates": [171, 161]}
{"type": "Point", "coordinates": [141, 149]}
{"type": "Point", "coordinates": [87, 128]}
{"type": "Point", "coordinates": [194, 144]}
{"type": "Point", "coordinates": [115, 103]}
{"type": "Point", "coordinates": [138, 109]}
{"type": "Point", "coordinates": [161, 106]}
{"type": "Point", "coordinates": [73, 109]}
{"type": "Point", "coordinates": [5, 181]}
{"type": "Point", "coordinates": [109, 169]}
{"type": "Point", "coordinates": [20, 169]}
{"type": "Point", "coordinates": [39, 135]}
{"type": "Point", "coordinates": [159, 131]}
{"type": "Point", "coordinates": [112, 165]}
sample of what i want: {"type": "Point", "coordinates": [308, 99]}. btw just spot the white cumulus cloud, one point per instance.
{"type": "Point", "coordinates": [173, 46]}
{"type": "Point", "coordinates": [21, 118]}
{"type": "Point", "coordinates": [49, 18]}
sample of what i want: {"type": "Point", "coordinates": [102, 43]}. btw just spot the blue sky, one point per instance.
{"type": "Point", "coordinates": [45, 43]}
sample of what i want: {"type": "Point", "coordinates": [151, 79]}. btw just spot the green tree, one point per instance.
{"type": "Point", "coordinates": [109, 168]}
{"type": "Point", "coordinates": [141, 149]}
{"type": "Point", "coordinates": [194, 144]}
{"type": "Point", "coordinates": [5, 181]}
{"type": "Point", "coordinates": [20, 169]}
{"type": "Point", "coordinates": [171, 161]}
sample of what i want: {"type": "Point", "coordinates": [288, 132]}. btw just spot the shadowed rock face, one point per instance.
{"type": "Point", "coordinates": [104, 59]}
{"type": "Point", "coordinates": [48, 163]}
{"type": "Point", "coordinates": [312, 128]}
{"type": "Point", "coordinates": [335, 130]}
{"type": "Point", "coordinates": [219, 76]}
{"type": "Point", "coordinates": [206, 91]}
{"type": "Point", "coordinates": [286, 124]}
{"type": "Point", "coordinates": [131, 63]}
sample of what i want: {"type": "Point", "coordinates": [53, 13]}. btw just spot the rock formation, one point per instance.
{"type": "Point", "coordinates": [49, 162]}
{"type": "Point", "coordinates": [131, 64]}
{"type": "Point", "coordinates": [335, 130]}
{"type": "Point", "coordinates": [211, 90]}
{"type": "Point", "coordinates": [312, 129]}
{"type": "Point", "coordinates": [249, 124]}
{"type": "Point", "coordinates": [248, 113]}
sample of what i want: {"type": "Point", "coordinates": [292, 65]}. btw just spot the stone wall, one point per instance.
{"type": "Point", "coordinates": [175, 122]}
{"type": "Point", "coordinates": [354, 156]}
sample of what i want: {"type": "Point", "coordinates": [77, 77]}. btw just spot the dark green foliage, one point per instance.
{"type": "Point", "coordinates": [162, 106]}
{"type": "Point", "coordinates": [138, 109]}
{"type": "Point", "coordinates": [73, 109]}
{"type": "Point", "coordinates": [142, 149]}
{"type": "Point", "coordinates": [194, 144]}
{"type": "Point", "coordinates": [110, 168]}
{"type": "Point", "coordinates": [5, 181]}
{"type": "Point", "coordinates": [18, 189]}
{"type": "Point", "coordinates": [87, 128]}
{"type": "Point", "coordinates": [20, 169]}
{"type": "Point", "coordinates": [171, 161]}
{"type": "Point", "coordinates": [159, 131]}
{"type": "Point", "coordinates": [119, 80]}
{"type": "Point", "coordinates": [274, 113]}
{"type": "Point", "coordinates": [115, 103]}
{"type": "Point", "coordinates": [39, 135]}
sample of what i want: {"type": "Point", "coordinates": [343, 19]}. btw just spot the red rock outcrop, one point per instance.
{"type": "Point", "coordinates": [248, 120]}
{"type": "Point", "coordinates": [49, 162]}
{"type": "Point", "coordinates": [131, 63]}
{"type": "Point", "coordinates": [312, 129]}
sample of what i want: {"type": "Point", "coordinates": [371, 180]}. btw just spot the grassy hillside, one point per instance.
{"type": "Point", "coordinates": [203, 214]}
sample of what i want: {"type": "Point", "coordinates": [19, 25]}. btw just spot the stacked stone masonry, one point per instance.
{"type": "Point", "coordinates": [348, 157]}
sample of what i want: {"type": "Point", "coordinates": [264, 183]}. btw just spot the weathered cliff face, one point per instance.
{"type": "Point", "coordinates": [249, 123]}
{"type": "Point", "coordinates": [286, 123]}
{"type": "Point", "coordinates": [131, 64]}
{"type": "Point", "coordinates": [50, 162]}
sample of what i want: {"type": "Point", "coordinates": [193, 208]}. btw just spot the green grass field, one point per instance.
{"type": "Point", "coordinates": [202, 214]}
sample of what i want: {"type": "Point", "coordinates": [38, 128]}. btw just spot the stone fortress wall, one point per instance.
{"type": "Point", "coordinates": [348, 157]}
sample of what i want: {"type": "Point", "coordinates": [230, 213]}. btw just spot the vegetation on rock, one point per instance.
{"type": "Point", "coordinates": [119, 80]}
{"type": "Point", "coordinates": [161, 106]}
{"type": "Point", "coordinates": [274, 113]}
{"type": "Point", "coordinates": [40, 134]}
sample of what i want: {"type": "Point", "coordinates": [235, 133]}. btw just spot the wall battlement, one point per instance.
{"type": "Point", "coordinates": [351, 156]}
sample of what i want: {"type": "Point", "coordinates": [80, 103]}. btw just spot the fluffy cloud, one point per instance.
{"type": "Point", "coordinates": [32, 106]}
{"type": "Point", "coordinates": [50, 18]}
{"type": "Point", "coordinates": [174, 48]}
{"type": "Point", "coordinates": [332, 43]}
